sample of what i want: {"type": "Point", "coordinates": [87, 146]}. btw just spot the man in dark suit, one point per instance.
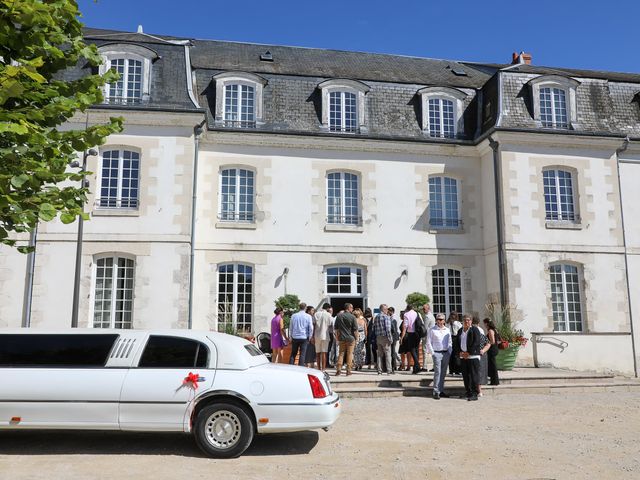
{"type": "Point", "coordinates": [470, 357]}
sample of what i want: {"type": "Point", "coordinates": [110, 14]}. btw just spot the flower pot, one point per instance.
{"type": "Point", "coordinates": [506, 359]}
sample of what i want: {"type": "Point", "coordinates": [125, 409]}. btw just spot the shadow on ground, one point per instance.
{"type": "Point", "coordinates": [65, 442]}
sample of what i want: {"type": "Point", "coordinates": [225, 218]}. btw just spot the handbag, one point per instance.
{"type": "Point", "coordinates": [421, 330]}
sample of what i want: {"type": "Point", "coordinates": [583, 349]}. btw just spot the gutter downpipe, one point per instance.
{"type": "Point", "coordinates": [28, 288]}
{"type": "Point", "coordinates": [197, 131]}
{"type": "Point", "coordinates": [619, 151]}
{"type": "Point", "coordinates": [497, 177]}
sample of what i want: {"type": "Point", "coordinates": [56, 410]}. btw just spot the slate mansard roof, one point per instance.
{"type": "Point", "coordinates": [607, 102]}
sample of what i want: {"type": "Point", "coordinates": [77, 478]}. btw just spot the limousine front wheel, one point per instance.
{"type": "Point", "coordinates": [223, 430]}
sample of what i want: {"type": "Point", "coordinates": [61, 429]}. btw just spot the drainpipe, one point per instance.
{"type": "Point", "coordinates": [28, 288]}
{"type": "Point", "coordinates": [197, 131]}
{"type": "Point", "coordinates": [619, 151]}
{"type": "Point", "coordinates": [502, 263]}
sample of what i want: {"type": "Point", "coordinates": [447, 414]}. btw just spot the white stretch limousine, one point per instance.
{"type": "Point", "coordinates": [220, 387]}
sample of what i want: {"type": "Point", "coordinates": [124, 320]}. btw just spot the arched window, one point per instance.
{"type": "Point", "coordinates": [119, 179]}
{"type": "Point", "coordinates": [133, 64]}
{"type": "Point", "coordinates": [343, 105]}
{"type": "Point", "coordinates": [442, 111]}
{"type": "Point", "coordinates": [237, 195]}
{"type": "Point", "coordinates": [235, 297]}
{"type": "Point", "coordinates": [447, 290]}
{"type": "Point", "coordinates": [343, 198]}
{"type": "Point", "coordinates": [554, 101]}
{"type": "Point", "coordinates": [559, 195]}
{"type": "Point", "coordinates": [343, 281]}
{"type": "Point", "coordinates": [239, 99]}
{"type": "Point", "coordinates": [113, 292]}
{"type": "Point", "coordinates": [444, 203]}
{"type": "Point", "coordinates": [566, 298]}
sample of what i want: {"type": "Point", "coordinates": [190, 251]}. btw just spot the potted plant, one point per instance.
{"type": "Point", "coordinates": [417, 300]}
{"type": "Point", "coordinates": [511, 337]}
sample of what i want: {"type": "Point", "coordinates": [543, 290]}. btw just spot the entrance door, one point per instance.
{"type": "Point", "coordinates": [338, 303]}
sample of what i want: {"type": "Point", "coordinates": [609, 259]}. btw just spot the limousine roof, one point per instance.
{"type": "Point", "coordinates": [230, 349]}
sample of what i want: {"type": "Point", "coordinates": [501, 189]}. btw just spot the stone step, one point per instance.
{"type": "Point", "coordinates": [488, 391]}
{"type": "Point", "coordinates": [421, 380]}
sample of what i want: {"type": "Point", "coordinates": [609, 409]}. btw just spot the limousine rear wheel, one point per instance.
{"type": "Point", "coordinates": [223, 430]}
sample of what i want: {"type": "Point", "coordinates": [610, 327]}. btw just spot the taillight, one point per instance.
{"type": "Point", "coordinates": [316, 387]}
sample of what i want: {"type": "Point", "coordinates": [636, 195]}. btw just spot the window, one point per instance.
{"type": "Point", "coordinates": [174, 352]}
{"type": "Point", "coordinates": [447, 290]}
{"type": "Point", "coordinates": [128, 88]}
{"type": "Point", "coordinates": [71, 350]}
{"type": "Point", "coordinates": [444, 209]}
{"type": "Point", "coordinates": [345, 281]}
{"type": "Point", "coordinates": [343, 199]}
{"type": "Point", "coordinates": [343, 105]}
{"type": "Point", "coordinates": [565, 298]}
{"type": "Point", "coordinates": [554, 101]}
{"type": "Point", "coordinates": [119, 179]}
{"type": "Point", "coordinates": [442, 109]}
{"type": "Point", "coordinates": [239, 106]}
{"type": "Point", "coordinates": [133, 64]}
{"type": "Point", "coordinates": [553, 108]}
{"type": "Point", "coordinates": [441, 118]}
{"type": "Point", "coordinates": [559, 195]}
{"type": "Point", "coordinates": [239, 99]}
{"type": "Point", "coordinates": [343, 112]}
{"type": "Point", "coordinates": [235, 297]}
{"type": "Point", "coordinates": [113, 293]}
{"type": "Point", "coordinates": [236, 195]}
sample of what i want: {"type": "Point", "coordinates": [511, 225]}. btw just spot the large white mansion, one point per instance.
{"type": "Point", "coordinates": [351, 176]}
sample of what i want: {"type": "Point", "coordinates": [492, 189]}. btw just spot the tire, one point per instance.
{"type": "Point", "coordinates": [223, 430]}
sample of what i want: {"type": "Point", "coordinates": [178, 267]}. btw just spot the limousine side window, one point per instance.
{"type": "Point", "coordinates": [45, 350]}
{"type": "Point", "coordinates": [174, 352]}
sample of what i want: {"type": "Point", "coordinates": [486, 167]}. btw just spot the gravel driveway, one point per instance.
{"type": "Point", "coordinates": [568, 436]}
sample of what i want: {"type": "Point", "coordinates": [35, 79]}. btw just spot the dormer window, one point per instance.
{"type": "Point", "coordinates": [343, 106]}
{"type": "Point", "coordinates": [442, 111]}
{"type": "Point", "coordinates": [133, 64]}
{"type": "Point", "coordinates": [239, 99]}
{"type": "Point", "coordinates": [554, 101]}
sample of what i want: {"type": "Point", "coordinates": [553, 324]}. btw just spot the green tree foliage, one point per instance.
{"type": "Point", "coordinates": [39, 39]}
{"type": "Point", "coordinates": [289, 304]}
{"type": "Point", "coordinates": [417, 300]}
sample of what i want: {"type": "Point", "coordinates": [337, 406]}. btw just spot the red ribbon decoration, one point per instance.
{"type": "Point", "coordinates": [191, 380]}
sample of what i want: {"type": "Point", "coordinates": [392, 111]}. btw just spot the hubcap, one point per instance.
{"type": "Point", "coordinates": [223, 429]}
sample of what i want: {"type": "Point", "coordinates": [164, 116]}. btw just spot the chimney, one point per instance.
{"type": "Point", "coordinates": [140, 29]}
{"type": "Point", "coordinates": [521, 57]}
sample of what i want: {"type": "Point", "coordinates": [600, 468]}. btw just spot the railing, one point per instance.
{"type": "Point", "coordinates": [112, 100]}
{"type": "Point", "coordinates": [451, 223]}
{"type": "Point", "coordinates": [237, 217]}
{"type": "Point", "coordinates": [131, 203]}
{"type": "Point", "coordinates": [240, 123]}
{"type": "Point", "coordinates": [352, 220]}
{"type": "Point", "coordinates": [563, 217]}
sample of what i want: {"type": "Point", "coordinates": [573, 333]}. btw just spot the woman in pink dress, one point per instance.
{"type": "Point", "coordinates": [278, 336]}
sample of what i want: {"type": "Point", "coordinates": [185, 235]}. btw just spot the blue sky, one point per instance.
{"type": "Point", "coordinates": [585, 34]}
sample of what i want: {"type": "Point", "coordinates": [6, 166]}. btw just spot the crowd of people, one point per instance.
{"type": "Point", "coordinates": [355, 339]}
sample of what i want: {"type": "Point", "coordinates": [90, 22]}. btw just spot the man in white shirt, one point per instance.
{"type": "Point", "coordinates": [438, 342]}
{"type": "Point", "coordinates": [429, 322]}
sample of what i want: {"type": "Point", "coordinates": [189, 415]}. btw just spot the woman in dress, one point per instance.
{"type": "Point", "coordinates": [360, 352]}
{"type": "Point", "coordinates": [370, 344]}
{"type": "Point", "coordinates": [278, 336]}
{"type": "Point", "coordinates": [492, 335]}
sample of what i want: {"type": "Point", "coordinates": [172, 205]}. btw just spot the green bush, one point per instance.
{"type": "Point", "coordinates": [289, 304]}
{"type": "Point", "coordinates": [417, 300]}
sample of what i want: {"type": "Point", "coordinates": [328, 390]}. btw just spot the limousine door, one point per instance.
{"type": "Point", "coordinates": [157, 394]}
{"type": "Point", "coordinates": [58, 381]}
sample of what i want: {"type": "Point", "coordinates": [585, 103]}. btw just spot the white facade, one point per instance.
{"type": "Point", "coordinates": [350, 216]}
